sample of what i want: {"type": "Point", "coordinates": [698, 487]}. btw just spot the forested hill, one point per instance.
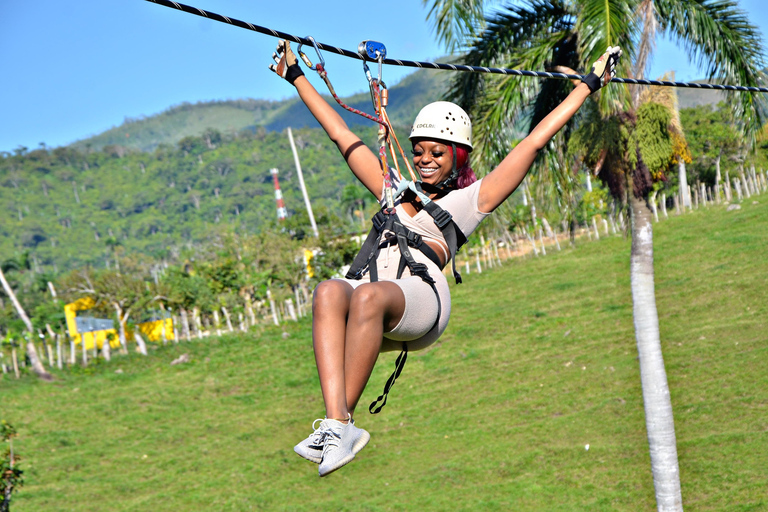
{"type": "Point", "coordinates": [160, 185]}
{"type": "Point", "coordinates": [69, 208]}
{"type": "Point", "coordinates": [232, 116]}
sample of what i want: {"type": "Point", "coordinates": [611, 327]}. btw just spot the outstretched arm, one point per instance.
{"type": "Point", "coordinates": [361, 160]}
{"type": "Point", "coordinates": [499, 184]}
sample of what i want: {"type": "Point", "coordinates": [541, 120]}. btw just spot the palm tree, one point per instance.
{"type": "Point", "coordinates": [565, 35]}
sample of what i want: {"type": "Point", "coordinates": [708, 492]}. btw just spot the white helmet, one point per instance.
{"type": "Point", "coordinates": [443, 120]}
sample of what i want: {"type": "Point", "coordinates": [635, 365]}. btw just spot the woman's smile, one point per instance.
{"type": "Point", "coordinates": [432, 160]}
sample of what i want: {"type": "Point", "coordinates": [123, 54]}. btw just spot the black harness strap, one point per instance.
{"type": "Point", "coordinates": [451, 232]}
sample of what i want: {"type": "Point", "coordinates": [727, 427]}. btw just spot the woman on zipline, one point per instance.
{"type": "Point", "coordinates": [396, 296]}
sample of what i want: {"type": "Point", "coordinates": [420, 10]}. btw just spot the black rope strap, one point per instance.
{"type": "Point", "coordinates": [438, 65]}
{"type": "Point", "coordinates": [399, 365]}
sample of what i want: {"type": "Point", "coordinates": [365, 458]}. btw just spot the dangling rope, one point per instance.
{"type": "Point", "coordinates": [437, 65]}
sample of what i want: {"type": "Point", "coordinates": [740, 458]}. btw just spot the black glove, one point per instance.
{"type": "Point", "coordinates": [603, 70]}
{"type": "Point", "coordinates": [286, 65]}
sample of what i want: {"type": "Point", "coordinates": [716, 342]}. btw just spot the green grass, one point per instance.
{"type": "Point", "coordinates": [539, 361]}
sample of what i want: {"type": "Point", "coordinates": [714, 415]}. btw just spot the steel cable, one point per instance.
{"type": "Point", "coordinates": [438, 65]}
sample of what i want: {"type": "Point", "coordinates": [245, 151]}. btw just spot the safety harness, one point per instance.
{"type": "Point", "coordinates": [388, 230]}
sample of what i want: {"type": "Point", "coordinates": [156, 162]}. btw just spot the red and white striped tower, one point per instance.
{"type": "Point", "coordinates": [282, 213]}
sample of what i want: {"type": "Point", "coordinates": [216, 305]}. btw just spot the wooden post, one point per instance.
{"type": "Point", "coordinates": [291, 310]}
{"type": "Point", "coordinates": [273, 308]}
{"type": "Point", "coordinates": [226, 316]}
{"type": "Point", "coordinates": [15, 360]}
{"type": "Point", "coordinates": [299, 305]}
{"type": "Point", "coordinates": [59, 353]}
{"type": "Point", "coordinates": [496, 253]}
{"type": "Point", "coordinates": [185, 324]}
{"type": "Point", "coordinates": [198, 322]}
{"type": "Point", "coordinates": [249, 310]}
{"type": "Point", "coordinates": [216, 322]}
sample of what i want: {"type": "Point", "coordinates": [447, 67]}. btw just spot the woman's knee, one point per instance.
{"type": "Point", "coordinates": [331, 294]}
{"type": "Point", "coordinates": [375, 301]}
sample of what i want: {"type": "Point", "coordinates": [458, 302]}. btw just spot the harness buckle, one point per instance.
{"type": "Point", "coordinates": [442, 218]}
{"type": "Point", "coordinates": [379, 219]}
{"type": "Point", "coordinates": [414, 239]}
{"type": "Point", "coordinates": [421, 270]}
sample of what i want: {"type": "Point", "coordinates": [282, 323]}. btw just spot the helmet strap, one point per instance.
{"type": "Point", "coordinates": [449, 183]}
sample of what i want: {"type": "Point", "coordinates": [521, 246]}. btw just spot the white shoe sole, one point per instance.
{"type": "Point", "coordinates": [310, 458]}
{"type": "Point", "coordinates": [356, 447]}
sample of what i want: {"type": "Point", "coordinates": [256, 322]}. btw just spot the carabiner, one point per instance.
{"type": "Point", "coordinates": [306, 59]}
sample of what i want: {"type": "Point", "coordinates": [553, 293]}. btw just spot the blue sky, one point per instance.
{"type": "Point", "coordinates": [75, 69]}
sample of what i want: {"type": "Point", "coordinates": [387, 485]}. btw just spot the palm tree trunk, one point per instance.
{"type": "Point", "coordinates": [37, 365]}
{"type": "Point", "coordinates": [658, 405]}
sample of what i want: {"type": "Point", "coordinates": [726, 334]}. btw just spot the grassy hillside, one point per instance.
{"type": "Point", "coordinates": [172, 125]}
{"type": "Point", "coordinates": [539, 361]}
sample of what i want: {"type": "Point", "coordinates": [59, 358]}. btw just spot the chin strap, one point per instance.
{"type": "Point", "coordinates": [449, 183]}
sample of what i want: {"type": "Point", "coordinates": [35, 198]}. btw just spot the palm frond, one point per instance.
{"type": "Point", "coordinates": [506, 34]}
{"type": "Point", "coordinates": [718, 34]}
{"type": "Point", "coordinates": [455, 21]}
{"type": "Point", "coordinates": [532, 36]}
{"type": "Point", "coordinates": [604, 23]}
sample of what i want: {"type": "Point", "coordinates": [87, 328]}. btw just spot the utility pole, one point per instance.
{"type": "Point", "coordinates": [301, 184]}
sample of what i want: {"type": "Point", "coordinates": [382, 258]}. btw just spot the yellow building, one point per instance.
{"type": "Point", "coordinates": [96, 331]}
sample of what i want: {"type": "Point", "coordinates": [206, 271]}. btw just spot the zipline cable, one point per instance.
{"type": "Point", "coordinates": [438, 65]}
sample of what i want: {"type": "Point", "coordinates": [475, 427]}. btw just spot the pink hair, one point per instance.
{"type": "Point", "coordinates": [466, 174]}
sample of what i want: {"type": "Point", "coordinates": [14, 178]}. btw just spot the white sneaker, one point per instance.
{"type": "Point", "coordinates": [312, 447]}
{"type": "Point", "coordinates": [342, 442]}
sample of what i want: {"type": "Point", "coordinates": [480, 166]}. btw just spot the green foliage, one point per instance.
{"type": "Point", "coordinates": [713, 138]}
{"type": "Point", "coordinates": [11, 476]}
{"type": "Point", "coordinates": [651, 139]}
{"type": "Point", "coordinates": [591, 204]}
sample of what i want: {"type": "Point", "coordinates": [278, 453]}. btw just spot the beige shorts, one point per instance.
{"type": "Point", "coordinates": [417, 327]}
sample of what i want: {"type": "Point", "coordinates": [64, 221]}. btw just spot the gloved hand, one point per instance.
{"type": "Point", "coordinates": [286, 65]}
{"type": "Point", "coordinates": [603, 70]}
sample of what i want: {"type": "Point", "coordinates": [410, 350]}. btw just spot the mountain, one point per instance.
{"type": "Point", "coordinates": [232, 116]}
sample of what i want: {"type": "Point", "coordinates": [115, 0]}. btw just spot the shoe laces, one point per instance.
{"type": "Point", "coordinates": [332, 439]}
{"type": "Point", "coordinates": [318, 436]}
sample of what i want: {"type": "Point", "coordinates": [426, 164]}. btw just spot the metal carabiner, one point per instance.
{"type": "Point", "coordinates": [306, 59]}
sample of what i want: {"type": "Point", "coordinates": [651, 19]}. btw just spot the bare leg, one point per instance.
{"type": "Point", "coordinates": [374, 308]}
{"type": "Point", "coordinates": [330, 308]}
